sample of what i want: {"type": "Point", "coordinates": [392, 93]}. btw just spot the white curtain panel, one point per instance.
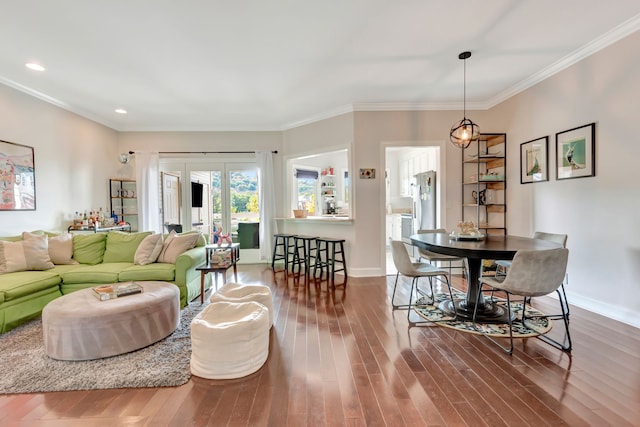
{"type": "Point", "coordinates": [147, 183]}
{"type": "Point", "coordinates": [267, 202]}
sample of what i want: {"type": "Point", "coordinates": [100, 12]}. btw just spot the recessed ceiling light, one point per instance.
{"type": "Point", "coordinates": [121, 111]}
{"type": "Point", "coordinates": [34, 66]}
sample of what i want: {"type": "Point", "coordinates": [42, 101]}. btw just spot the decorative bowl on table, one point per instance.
{"type": "Point", "coordinates": [459, 236]}
{"type": "Point", "coordinates": [467, 231]}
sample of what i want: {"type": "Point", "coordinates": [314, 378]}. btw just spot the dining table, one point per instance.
{"type": "Point", "coordinates": [474, 250]}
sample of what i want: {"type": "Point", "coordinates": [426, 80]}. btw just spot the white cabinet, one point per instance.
{"type": "Point", "coordinates": [397, 227]}
{"type": "Point", "coordinates": [411, 164]}
{"type": "Point", "coordinates": [393, 227]}
{"type": "Point", "coordinates": [405, 182]}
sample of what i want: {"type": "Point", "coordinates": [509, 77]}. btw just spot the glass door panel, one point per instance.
{"type": "Point", "coordinates": [230, 204]}
{"type": "Point", "coordinates": [244, 204]}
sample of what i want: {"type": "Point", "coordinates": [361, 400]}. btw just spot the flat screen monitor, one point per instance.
{"type": "Point", "coordinates": [196, 194]}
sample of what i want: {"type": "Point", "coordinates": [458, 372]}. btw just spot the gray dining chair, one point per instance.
{"type": "Point", "coordinates": [503, 265]}
{"type": "Point", "coordinates": [415, 271]}
{"type": "Point", "coordinates": [532, 274]}
{"type": "Point", "coordinates": [434, 257]}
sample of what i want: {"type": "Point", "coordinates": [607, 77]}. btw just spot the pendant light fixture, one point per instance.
{"type": "Point", "coordinates": [464, 131]}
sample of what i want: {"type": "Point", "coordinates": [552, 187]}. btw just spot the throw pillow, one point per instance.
{"type": "Point", "coordinates": [148, 250]}
{"type": "Point", "coordinates": [121, 246]}
{"type": "Point", "coordinates": [60, 247]}
{"type": "Point", "coordinates": [89, 248]}
{"type": "Point", "coordinates": [175, 245]}
{"type": "Point", "coordinates": [31, 254]}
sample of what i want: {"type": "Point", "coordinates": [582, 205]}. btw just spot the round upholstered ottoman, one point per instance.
{"type": "Point", "coordinates": [236, 292]}
{"type": "Point", "coordinates": [229, 340]}
{"type": "Point", "coordinates": [78, 326]}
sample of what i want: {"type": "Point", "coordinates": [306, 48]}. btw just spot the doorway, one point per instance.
{"type": "Point", "coordinates": [170, 198]}
{"type": "Point", "coordinates": [217, 199]}
{"type": "Point", "coordinates": [402, 163]}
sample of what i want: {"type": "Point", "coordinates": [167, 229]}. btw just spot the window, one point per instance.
{"type": "Point", "coordinates": [306, 189]}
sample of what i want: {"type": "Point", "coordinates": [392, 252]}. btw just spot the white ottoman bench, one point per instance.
{"type": "Point", "coordinates": [229, 340]}
{"type": "Point", "coordinates": [236, 292]}
{"type": "Point", "coordinates": [78, 326]}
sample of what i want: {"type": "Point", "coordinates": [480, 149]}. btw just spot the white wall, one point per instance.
{"type": "Point", "coordinates": [599, 214]}
{"type": "Point", "coordinates": [74, 158]}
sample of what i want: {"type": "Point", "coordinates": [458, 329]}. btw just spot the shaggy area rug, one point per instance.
{"type": "Point", "coordinates": [27, 369]}
{"type": "Point", "coordinates": [433, 313]}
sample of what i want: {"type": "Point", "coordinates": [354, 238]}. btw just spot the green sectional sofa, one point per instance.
{"type": "Point", "coordinates": [29, 279]}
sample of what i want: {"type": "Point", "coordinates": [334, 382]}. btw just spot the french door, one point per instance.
{"type": "Point", "coordinates": [229, 202]}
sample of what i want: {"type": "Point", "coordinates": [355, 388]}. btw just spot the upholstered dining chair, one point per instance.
{"type": "Point", "coordinates": [433, 257]}
{"type": "Point", "coordinates": [532, 273]}
{"type": "Point", "coordinates": [414, 270]}
{"type": "Point", "coordinates": [503, 265]}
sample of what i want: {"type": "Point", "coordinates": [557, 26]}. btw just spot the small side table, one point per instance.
{"type": "Point", "coordinates": [212, 266]}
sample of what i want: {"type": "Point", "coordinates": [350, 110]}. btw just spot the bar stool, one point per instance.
{"type": "Point", "coordinates": [327, 250]}
{"type": "Point", "coordinates": [284, 241]}
{"type": "Point", "coordinates": [303, 244]}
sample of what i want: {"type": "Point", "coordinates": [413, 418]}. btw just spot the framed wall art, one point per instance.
{"type": "Point", "coordinates": [534, 161]}
{"type": "Point", "coordinates": [17, 177]}
{"type": "Point", "coordinates": [576, 152]}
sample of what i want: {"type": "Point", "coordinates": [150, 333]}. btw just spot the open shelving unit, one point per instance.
{"type": "Point", "coordinates": [484, 184]}
{"type": "Point", "coordinates": [123, 201]}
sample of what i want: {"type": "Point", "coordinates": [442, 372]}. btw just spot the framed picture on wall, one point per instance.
{"type": "Point", "coordinates": [576, 152]}
{"type": "Point", "coordinates": [17, 177]}
{"type": "Point", "coordinates": [534, 161]}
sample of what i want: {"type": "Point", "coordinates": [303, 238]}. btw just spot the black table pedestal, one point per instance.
{"type": "Point", "coordinates": [487, 312]}
{"type": "Point", "coordinates": [463, 308]}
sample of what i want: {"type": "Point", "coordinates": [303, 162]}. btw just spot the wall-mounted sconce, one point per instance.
{"type": "Point", "coordinates": [125, 158]}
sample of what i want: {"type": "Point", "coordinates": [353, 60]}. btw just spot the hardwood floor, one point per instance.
{"type": "Point", "coordinates": [343, 357]}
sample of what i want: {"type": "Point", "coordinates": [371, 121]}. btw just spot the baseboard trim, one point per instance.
{"type": "Point", "coordinates": [605, 309]}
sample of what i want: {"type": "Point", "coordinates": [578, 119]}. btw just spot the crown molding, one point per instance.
{"type": "Point", "coordinates": [320, 116]}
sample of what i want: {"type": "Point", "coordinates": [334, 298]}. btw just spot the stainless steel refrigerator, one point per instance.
{"type": "Point", "coordinates": [424, 201]}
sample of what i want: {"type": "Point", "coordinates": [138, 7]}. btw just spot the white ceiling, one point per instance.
{"type": "Point", "coordinates": [272, 65]}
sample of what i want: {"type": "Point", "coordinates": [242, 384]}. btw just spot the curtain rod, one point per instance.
{"type": "Point", "coordinates": [207, 152]}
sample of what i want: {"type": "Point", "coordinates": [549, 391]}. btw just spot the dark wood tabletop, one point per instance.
{"type": "Point", "coordinates": [494, 247]}
{"type": "Point", "coordinates": [491, 247]}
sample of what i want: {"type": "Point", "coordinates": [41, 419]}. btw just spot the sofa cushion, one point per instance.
{"type": "Point", "coordinates": [19, 284]}
{"type": "Point", "coordinates": [89, 248]}
{"type": "Point", "coordinates": [99, 273]}
{"type": "Point", "coordinates": [149, 250]}
{"type": "Point", "coordinates": [31, 254]}
{"type": "Point", "coordinates": [176, 244]}
{"type": "Point", "coordinates": [153, 271]}
{"type": "Point", "coordinates": [60, 246]}
{"type": "Point", "coordinates": [121, 247]}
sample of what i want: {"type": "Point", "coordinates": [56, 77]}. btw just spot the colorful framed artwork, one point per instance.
{"type": "Point", "coordinates": [576, 152]}
{"type": "Point", "coordinates": [367, 173]}
{"type": "Point", "coordinates": [17, 177]}
{"type": "Point", "coordinates": [534, 161]}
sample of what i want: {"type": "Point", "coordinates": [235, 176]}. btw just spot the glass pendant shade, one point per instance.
{"type": "Point", "coordinates": [463, 132]}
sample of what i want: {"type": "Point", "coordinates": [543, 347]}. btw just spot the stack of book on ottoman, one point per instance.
{"type": "Point", "coordinates": [106, 292]}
